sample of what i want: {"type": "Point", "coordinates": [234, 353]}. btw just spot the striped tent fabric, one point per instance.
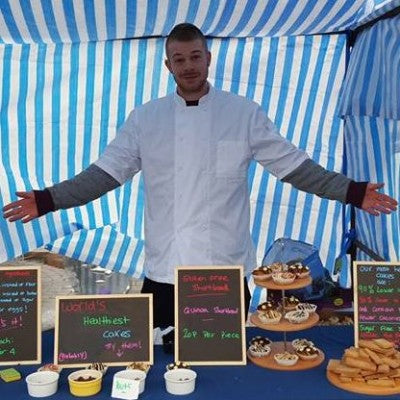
{"type": "Point", "coordinates": [375, 9]}
{"type": "Point", "coordinates": [68, 81]}
{"type": "Point", "coordinates": [78, 21]}
{"type": "Point", "coordinates": [372, 84]}
{"type": "Point", "coordinates": [370, 106]}
{"type": "Point", "coordinates": [288, 76]}
{"type": "Point", "coordinates": [373, 158]}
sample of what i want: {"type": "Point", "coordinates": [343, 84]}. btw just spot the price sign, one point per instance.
{"type": "Point", "coordinates": [209, 312]}
{"type": "Point", "coordinates": [377, 301]}
{"type": "Point", "coordinates": [20, 320]}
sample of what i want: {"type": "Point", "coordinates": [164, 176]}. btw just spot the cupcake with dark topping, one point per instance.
{"type": "Point", "coordinates": [290, 303]}
{"type": "Point", "coordinates": [307, 352]}
{"type": "Point", "coordinates": [278, 267]}
{"type": "Point", "coordinates": [303, 271]}
{"type": "Point", "coordinates": [262, 273]}
{"type": "Point", "coordinates": [301, 342]}
{"type": "Point", "coordinates": [260, 341]}
{"type": "Point", "coordinates": [266, 306]}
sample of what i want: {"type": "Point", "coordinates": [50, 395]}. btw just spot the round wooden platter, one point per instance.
{"type": "Point", "coordinates": [284, 325]}
{"type": "Point", "coordinates": [297, 284]}
{"type": "Point", "coordinates": [360, 387]}
{"type": "Point", "coordinates": [279, 347]}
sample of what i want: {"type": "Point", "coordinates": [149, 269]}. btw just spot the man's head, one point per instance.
{"type": "Point", "coordinates": [188, 60]}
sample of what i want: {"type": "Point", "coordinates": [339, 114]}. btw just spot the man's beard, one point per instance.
{"type": "Point", "coordinates": [184, 88]}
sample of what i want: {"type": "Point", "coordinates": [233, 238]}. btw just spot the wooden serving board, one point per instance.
{"type": "Point", "coordinates": [284, 325]}
{"type": "Point", "coordinates": [360, 387]}
{"type": "Point", "coordinates": [297, 284]}
{"type": "Point", "coordinates": [279, 347]}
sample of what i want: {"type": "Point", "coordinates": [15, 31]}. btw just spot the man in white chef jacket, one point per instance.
{"type": "Point", "coordinates": [194, 147]}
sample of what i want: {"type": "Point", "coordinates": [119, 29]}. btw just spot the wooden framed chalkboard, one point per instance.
{"type": "Point", "coordinates": [377, 301]}
{"type": "Point", "coordinates": [209, 315]}
{"type": "Point", "coordinates": [20, 315]}
{"type": "Point", "coordinates": [113, 329]}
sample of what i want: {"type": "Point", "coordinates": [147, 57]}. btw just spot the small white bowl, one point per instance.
{"type": "Point", "coordinates": [180, 381]}
{"type": "Point", "coordinates": [42, 383]}
{"type": "Point", "coordinates": [134, 375]}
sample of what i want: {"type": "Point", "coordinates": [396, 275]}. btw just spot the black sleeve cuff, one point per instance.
{"type": "Point", "coordinates": [355, 193]}
{"type": "Point", "coordinates": [44, 201]}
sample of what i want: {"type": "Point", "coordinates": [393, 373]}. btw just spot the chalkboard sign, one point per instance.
{"type": "Point", "coordinates": [20, 320]}
{"type": "Point", "coordinates": [377, 301]}
{"type": "Point", "coordinates": [209, 315]}
{"type": "Point", "coordinates": [113, 329]}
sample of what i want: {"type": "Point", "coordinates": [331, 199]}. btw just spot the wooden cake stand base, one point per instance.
{"type": "Point", "coordinates": [360, 387]}
{"type": "Point", "coordinates": [279, 347]}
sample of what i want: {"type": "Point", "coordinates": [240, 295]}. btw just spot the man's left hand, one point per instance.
{"type": "Point", "coordinates": [376, 203]}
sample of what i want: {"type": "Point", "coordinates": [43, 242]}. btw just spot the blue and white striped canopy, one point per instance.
{"type": "Point", "coordinates": [72, 70]}
{"type": "Point", "coordinates": [81, 21]}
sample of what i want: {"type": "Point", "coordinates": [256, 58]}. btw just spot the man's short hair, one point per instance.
{"type": "Point", "coordinates": [185, 32]}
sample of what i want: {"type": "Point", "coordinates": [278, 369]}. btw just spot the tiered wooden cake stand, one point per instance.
{"type": "Point", "coordinates": [285, 326]}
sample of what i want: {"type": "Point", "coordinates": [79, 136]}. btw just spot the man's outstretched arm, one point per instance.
{"type": "Point", "coordinates": [90, 184]}
{"type": "Point", "coordinates": [312, 178]}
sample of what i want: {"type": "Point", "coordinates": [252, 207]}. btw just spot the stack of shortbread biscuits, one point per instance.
{"type": "Point", "coordinates": [375, 362]}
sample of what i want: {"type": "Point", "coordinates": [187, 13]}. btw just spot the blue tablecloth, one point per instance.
{"type": "Point", "coordinates": [220, 382]}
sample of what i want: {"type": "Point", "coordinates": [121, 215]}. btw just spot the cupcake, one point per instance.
{"type": "Point", "coordinates": [260, 341]}
{"type": "Point", "coordinates": [283, 278]}
{"type": "Point", "coordinates": [278, 267]}
{"type": "Point", "coordinates": [262, 273]}
{"type": "Point", "coordinates": [177, 365]}
{"type": "Point", "coordinates": [259, 351]}
{"type": "Point", "coordinates": [297, 317]}
{"type": "Point", "coordinates": [270, 317]}
{"type": "Point", "coordinates": [50, 367]}
{"type": "Point", "coordinates": [290, 303]}
{"type": "Point", "coordinates": [298, 343]}
{"type": "Point", "coordinates": [98, 366]}
{"type": "Point", "coordinates": [303, 271]}
{"type": "Point", "coordinates": [266, 306]}
{"type": "Point", "coordinates": [293, 268]}
{"type": "Point", "coordinates": [310, 308]}
{"type": "Point", "coordinates": [286, 359]}
{"type": "Point", "coordinates": [139, 365]}
{"type": "Point", "coordinates": [307, 352]}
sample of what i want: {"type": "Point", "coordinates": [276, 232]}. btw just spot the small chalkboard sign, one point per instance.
{"type": "Point", "coordinates": [112, 329]}
{"type": "Point", "coordinates": [20, 319]}
{"type": "Point", "coordinates": [377, 301]}
{"type": "Point", "coordinates": [209, 313]}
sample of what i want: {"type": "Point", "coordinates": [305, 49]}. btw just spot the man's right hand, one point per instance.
{"type": "Point", "coordinates": [24, 209]}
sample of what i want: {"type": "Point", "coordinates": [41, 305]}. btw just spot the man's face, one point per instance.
{"type": "Point", "coordinates": [188, 62]}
